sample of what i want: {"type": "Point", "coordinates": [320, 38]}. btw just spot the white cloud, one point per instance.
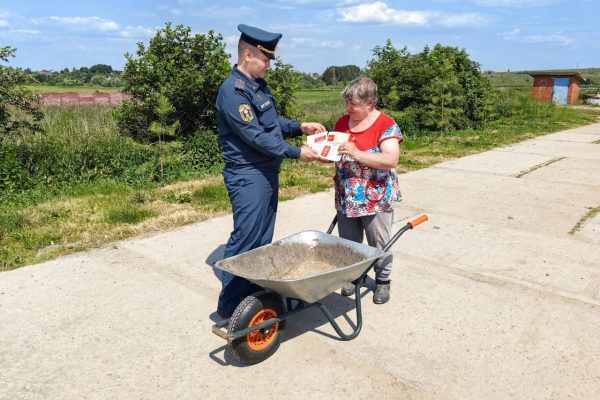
{"type": "Point", "coordinates": [232, 39]}
{"type": "Point", "coordinates": [379, 11]}
{"type": "Point", "coordinates": [315, 3]}
{"type": "Point", "coordinates": [515, 3]}
{"type": "Point", "coordinates": [512, 33]}
{"type": "Point", "coordinates": [101, 24]}
{"type": "Point", "coordinates": [332, 44]}
{"type": "Point", "coordinates": [456, 20]}
{"type": "Point", "coordinates": [3, 20]}
{"type": "Point", "coordinates": [316, 43]}
{"type": "Point", "coordinates": [137, 32]}
{"type": "Point", "coordinates": [175, 11]}
{"type": "Point", "coordinates": [557, 38]}
{"type": "Point", "coordinates": [217, 11]}
{"type": "Point", "coordinates": [27, 31]}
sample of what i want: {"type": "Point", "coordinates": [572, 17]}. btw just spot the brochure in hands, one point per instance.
{"type": "Point", "coordinates": [327, 143]}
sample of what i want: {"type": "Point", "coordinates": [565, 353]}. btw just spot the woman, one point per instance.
{"type": "Point", "coordinates": [366, 185]}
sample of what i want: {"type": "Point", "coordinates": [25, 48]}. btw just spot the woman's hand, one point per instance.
{"type": "Point", "coordinates": [310, 128]}
{"type": "Point", "coordinates": [350, 149]}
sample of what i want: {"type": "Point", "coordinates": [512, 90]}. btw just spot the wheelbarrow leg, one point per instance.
{"type": "Point", "coordinates": [338, 330]}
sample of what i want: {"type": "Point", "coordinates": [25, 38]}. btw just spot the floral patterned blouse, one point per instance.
{"type": "Point", "coordinates": [362, 190]}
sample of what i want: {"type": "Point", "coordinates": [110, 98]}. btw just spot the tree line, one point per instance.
{"type": "Point", "coordinates": [104, 75]}
{"type": "Point", "coordinates": [173, 82]}
{"type": "Point", "coordinates": [96, 75]}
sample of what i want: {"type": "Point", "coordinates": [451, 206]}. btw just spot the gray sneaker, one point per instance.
{"type": "Point", "coordinates": [347, 289]}
{"type": "Point", "coordinates": [382, 293]}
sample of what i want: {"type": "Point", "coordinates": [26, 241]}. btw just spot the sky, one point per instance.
{"type": "Point", "coordinates": [501, 35]}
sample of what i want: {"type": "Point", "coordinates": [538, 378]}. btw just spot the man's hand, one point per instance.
{"type": "Point", "coordinates": [307, 154]}
{"type": "Point", "coordinates": [310, 128]}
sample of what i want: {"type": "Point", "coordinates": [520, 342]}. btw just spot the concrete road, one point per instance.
{"type": "Point", "coordinates": [493, 298]}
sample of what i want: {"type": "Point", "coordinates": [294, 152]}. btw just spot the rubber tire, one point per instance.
{"type": "Point", "coordinates": [241, 318]}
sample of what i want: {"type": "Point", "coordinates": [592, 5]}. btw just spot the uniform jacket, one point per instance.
{"type": "Point", "coordinates": [251, 131]}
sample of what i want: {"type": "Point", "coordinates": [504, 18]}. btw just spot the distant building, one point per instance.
{"type": "Point", "coordinates": [556, 87]}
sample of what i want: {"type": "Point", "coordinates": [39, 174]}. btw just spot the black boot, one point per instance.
{"type": "Point", "coordinates": [382, 293]}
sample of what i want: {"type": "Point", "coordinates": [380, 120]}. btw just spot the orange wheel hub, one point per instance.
{"type": "Point", "coordinates": [262, 338]}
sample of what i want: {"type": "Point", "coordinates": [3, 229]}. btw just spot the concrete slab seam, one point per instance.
{"type": "Point", "coordinates": [538, 166]}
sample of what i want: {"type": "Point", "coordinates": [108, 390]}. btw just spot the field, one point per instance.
{"type": "Point", "coordinates": [100, 186]}
{"type": "Point", "coordinates": [523, 81]}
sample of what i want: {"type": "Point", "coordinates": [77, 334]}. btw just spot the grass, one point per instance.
{"type": "Point", "coordinates": [592, 212]}
{"type": "Point", "coordinates": [322, 105]}
{"type": "Point", "coordinates": [127, 214]}
{"type": "Point", "coordinates": [48, 222]}
{"type": "Point", "coordinates": [89, 215]}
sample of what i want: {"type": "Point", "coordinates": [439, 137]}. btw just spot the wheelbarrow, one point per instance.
{"type": "Point", "coordinates": [302, 269]}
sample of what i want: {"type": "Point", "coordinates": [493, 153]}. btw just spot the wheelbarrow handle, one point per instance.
{"type": "Point", "coordinates": [418, 221]}
{"type": "Point", "coordinates": [409, 225]}
{"type": "Point", "coordinates": [333, 223]}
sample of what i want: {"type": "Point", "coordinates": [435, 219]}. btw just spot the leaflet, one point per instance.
{"type": "Point", "coordinates": [327, 143]}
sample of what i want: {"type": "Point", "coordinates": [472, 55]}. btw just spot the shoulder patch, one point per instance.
{"type": "Point", "coordinates": [246, 112]}
{"type": "Point", "coordinates": [240, 84]}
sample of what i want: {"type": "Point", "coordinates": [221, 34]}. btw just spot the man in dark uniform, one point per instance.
{"type": "Point", "coordinates": [251, 133]}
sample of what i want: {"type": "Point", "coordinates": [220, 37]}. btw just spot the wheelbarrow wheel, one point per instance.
{"type": "Point", "coordinates": [259, 345]}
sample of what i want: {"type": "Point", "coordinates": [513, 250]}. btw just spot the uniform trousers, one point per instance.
{"type": "Point", "coordinates": [253, 197]}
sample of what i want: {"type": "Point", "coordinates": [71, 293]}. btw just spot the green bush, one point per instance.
{"type": "Point", "coordinates": [284, 82]}
{"type": "Point", "coordinates": [186, 69]}
{"type": "Point", "coordinates": [14, 177]}
{"type": "Point", "coordinates": [439, 89]}
{"type": "Point", "coordinates": [203, 151]}
{"type": "Point", "coordinates": [18, 112]}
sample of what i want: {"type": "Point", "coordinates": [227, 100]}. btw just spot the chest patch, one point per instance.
{"type": "Point", "coordinates": [246, 112]}
{"type": "Point", "coordinates": [264, 105]}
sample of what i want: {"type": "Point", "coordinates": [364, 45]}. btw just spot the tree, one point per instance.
{"type": "Point", "coordinates": [186, 69]}
{"type": "Point", "coordinates": [310, 81]}
{"type": "Point", "coordinates": [284, 81]}
{"type": "Point", "coordinates": [334, 74]}
{"type": "Point", "coordinates": [98, 80]}
{"type": "Point", "coordinates": [99, 69]}
{"type": "Point", "coordinates": [18, 105]}
{"type": "Point", "coordinates": [437, 89]}
{"type": "Point", "coordinates": [162, 130]}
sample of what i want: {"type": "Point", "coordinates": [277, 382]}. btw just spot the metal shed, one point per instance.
{"type": "Point", "coordinates": [556, 87]}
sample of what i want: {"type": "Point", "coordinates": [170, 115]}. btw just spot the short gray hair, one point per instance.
{"type": "Point", "coordinates": [361, 89]}
{"type": "Point", "coordinates": [243, 45]}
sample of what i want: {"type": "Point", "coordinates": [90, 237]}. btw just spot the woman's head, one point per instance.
{"type": "Point", "coordinates": [360, 97]}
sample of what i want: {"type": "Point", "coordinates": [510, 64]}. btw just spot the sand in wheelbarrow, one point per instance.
{"type": "Point", "coordinates": [294, 260]}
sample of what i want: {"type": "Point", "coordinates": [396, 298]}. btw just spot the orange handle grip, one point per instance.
{"type": "Point", "coordinates": [418, 221]}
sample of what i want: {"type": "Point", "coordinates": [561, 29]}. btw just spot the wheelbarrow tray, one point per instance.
{"type": "Point", "coordinates": [263, 266]}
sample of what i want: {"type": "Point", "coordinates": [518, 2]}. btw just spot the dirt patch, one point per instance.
{"type": "Point", "coordinates": [293, 260]}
